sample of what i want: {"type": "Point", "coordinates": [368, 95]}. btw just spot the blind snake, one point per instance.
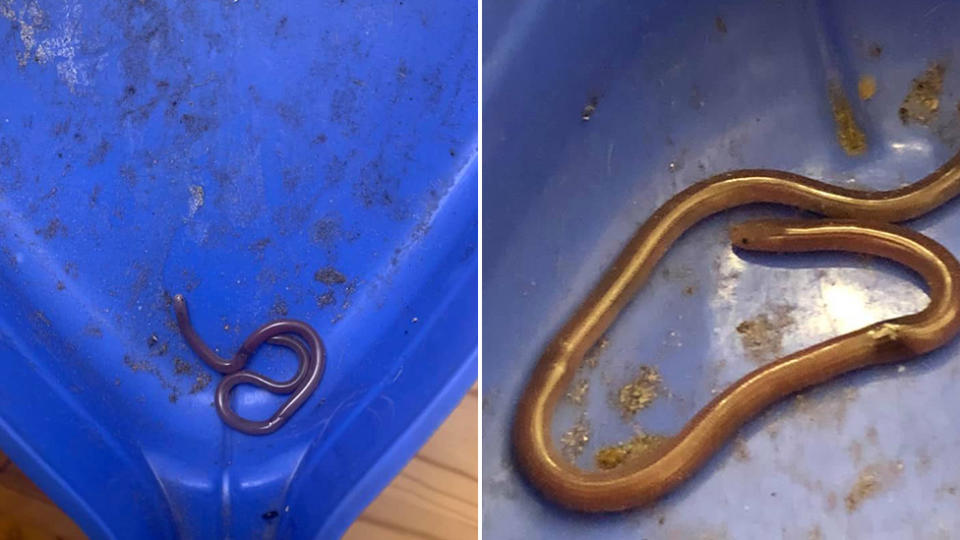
{"type": "Point", "coordinates": [310, 355]}
{"type": "Point", "coordinates": [644, 480]}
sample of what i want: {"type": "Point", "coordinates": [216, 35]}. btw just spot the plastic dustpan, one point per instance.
{"type": "Point", "coordinates": [594, 115]}
{"type": "Point", "coordinates": [314, 160]}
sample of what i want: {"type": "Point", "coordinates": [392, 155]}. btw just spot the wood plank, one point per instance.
{"type": "Point", "coordinates": [435, 496]}
{"type": "Point", "coordinates": [13, 478]}
{"type": "Point", "coordinates": [25, 517]}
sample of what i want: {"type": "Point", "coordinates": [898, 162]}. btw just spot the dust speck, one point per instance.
{"type": "Point", "coordinates": [326, 230]}
{"type": "Point", "coordinates": [181, 367]}
{"type": "Point", "coordinates": [740, 450]}
{"type": "Point", "coordinates": [329, 276]}
{"type": "Point", "coordinates": [762, 336]}
{"type": "Point", "coordinates": [201, 382]}
{"type": "Point", "coordinates": [279, 307]}
{"type": "Point", "coordinates": [53, 229]}
{"type": "Point", "coordinates": [871, 481]}
{"type": "Point", "coordinates": [720, 24]}
{"type": "Point", "coordinates": [258, 247]}
{"type": "Point", "coordinates": [922, 102]}
{"type": "Point", "coordinates": [326, 299]}
{"type": "Point", "coordinates": [578, 393]}
{"type": "Point", "coordinates": [591, 107]}
{"type": "Point", "coordinates": [196, 200]}
{"type": "Point", "coordinates": [575, 439]}
{"type": "Point", "coordinates": [41, 318]}
{"type": "Point", "coordinates": [610, 457]}
{"type": "Point", "coordinates": [849, 134]}
{"type": "Point", "coordinates": [639, 393]}
{"type": "Point", "coordinates": [592, 358]}
{"type": "Point", "coordinates": [867, 87]}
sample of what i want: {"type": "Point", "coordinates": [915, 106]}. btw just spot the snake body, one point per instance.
{"type": "Point", "coordinates": [644, 480]}
{"type": "Point", "coordinates": [310, 356]}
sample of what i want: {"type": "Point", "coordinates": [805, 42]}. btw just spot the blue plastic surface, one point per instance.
{"type": "Point", "coordinates": [230, 150]}
{"type": "Point", "coordinates": [682, 95]}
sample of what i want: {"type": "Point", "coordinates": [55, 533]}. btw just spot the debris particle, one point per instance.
{"type": "Point", "coordinates": [871, 481]}
{"type": "Point", "coordinates": [61, 286]}
{"type": "Point", "coordinates": [95, 195]}
{"type": "Point", "coordinates": [762, 336]}
{"type": "Point", "coordinates": [867, 87]}
{"type": "Point", "coordinates": [137, 365]}
{"type": "Point", "coordinates": [740, 450]}
{"type": "Point", "coordinates": [259, 247]}
{"type": "Point", "coordinates": [326, 299]}
{"type": "Point", "coordinates": [326, 230]}
{"type": "Point", "coordinates": [279, 307]}
{"type": "Point", "coordinates": [922, 102]}
{"type": "Point", "coordinates": [147, 367]}
{"type": "Point", "coordinates": [54, 227]}
{"type": "Point", "coordinates": [875, 50]}
{"type": "Point", "coordinates": [578, 393]}
{"type": "Point", "coordinates": [610, 457]}
{"type": "Point", "coordinates": [574, 440]}
{"type": "Point", "coordinates": [202, 381]}
{"type": "Point", "coordinates": [866, 486]}
{"type": "Point", "coordinates": [591, 359]}
{"type": "Point", "coordinates": [181, 367]}
{"type": "Point", "coordinates": [849, 134]}
{"type": "Point", "coordinates": [639, 393]}
{"type": "Point", "coordinates": [720, 24]}
{"type": "Point", "coordinates": [152, 340]}
{"type": "Point", "coordinates": [589, 109]}
{"type": "Point", "coordinates": [40, 317]}
{"type": "Point", "coordinates": [196, 200]}
{"type": "Point", "coordinates": [329, 276]}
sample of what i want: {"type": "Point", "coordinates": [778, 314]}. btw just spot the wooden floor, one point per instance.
{"type": "Point", "coordinates": [434, 497]}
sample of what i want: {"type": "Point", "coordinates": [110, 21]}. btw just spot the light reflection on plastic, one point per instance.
{"type": "Point", "coordinates": [729, 268]}
{"type": "Point", "coordinates": [919, 147]}
{"type": "Point", "coordinates": [848, 306]}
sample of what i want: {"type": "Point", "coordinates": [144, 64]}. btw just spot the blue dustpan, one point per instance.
{"type": "Point", "coordinates": [676, 92]}
{"type": "Point", "coordinates": [315, 160]}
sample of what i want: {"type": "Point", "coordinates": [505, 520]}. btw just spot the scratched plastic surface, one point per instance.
{"type": "Point", "coordinates": [308, 159]}
{"type": "Point", "coordinates": [682, 95]}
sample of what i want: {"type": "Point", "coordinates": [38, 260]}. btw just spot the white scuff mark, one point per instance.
{"type": "Point", "coordinates": [196, 199]}
{"type": "Point", "coordinates": [59, 48]}
{"type": "Point", "coordinates": [729, 268]}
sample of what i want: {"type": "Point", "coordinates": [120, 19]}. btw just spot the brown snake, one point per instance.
{"type": "Point", "coordinates": [645, 479]}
